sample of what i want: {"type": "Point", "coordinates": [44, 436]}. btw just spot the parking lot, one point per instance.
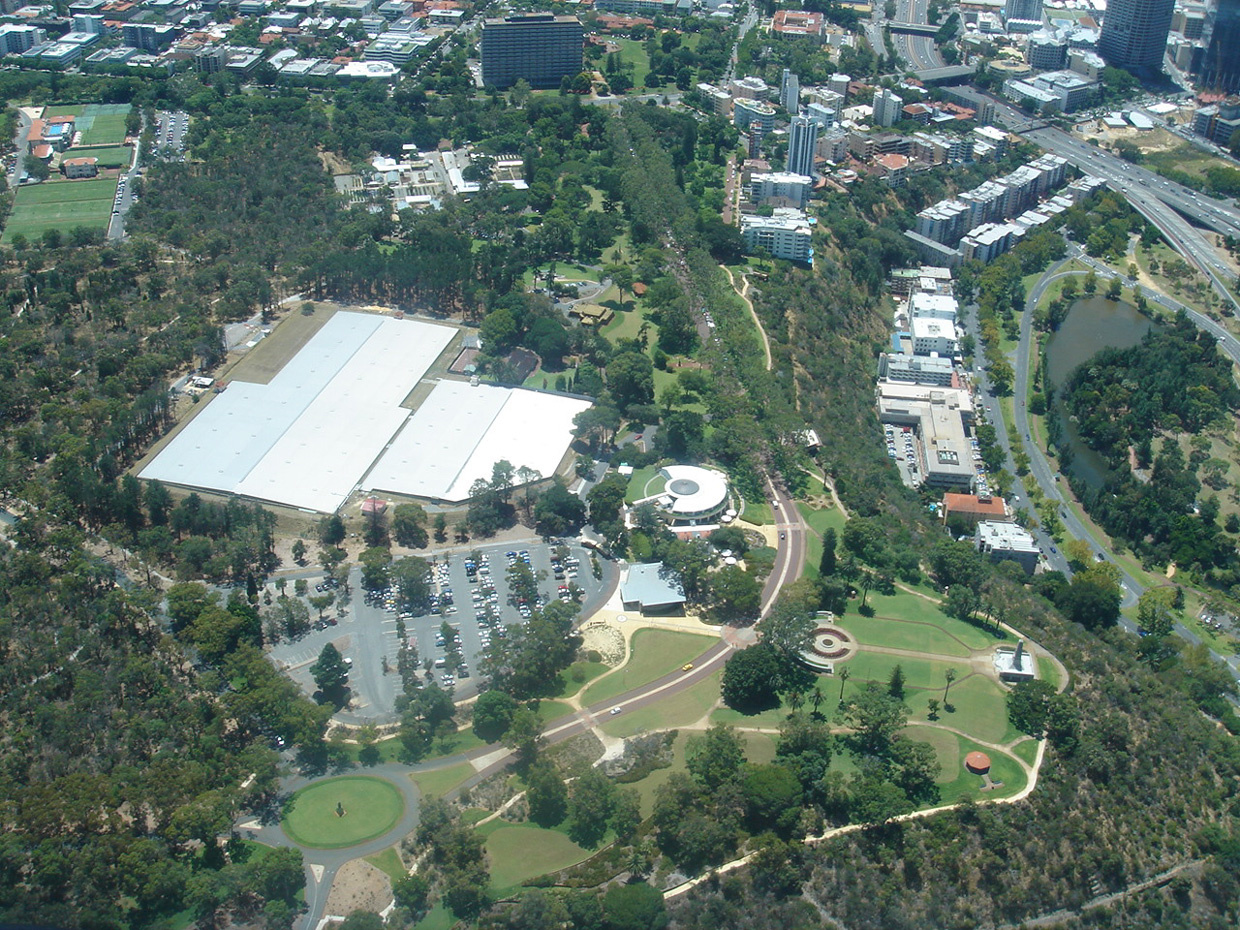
{"type": "Point", "coordinates": [170, 133]}
{"type": "Point", "coordinates": [480, 605]}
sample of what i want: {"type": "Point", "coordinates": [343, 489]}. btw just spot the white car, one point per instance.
{"type": "Point", "coordinates": [614, 711]}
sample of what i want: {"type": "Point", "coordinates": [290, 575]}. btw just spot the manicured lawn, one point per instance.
{"type": "Point", "coordinates": [578, 675]}
{"type": "Point", "coordinates": [918, 673]}
{"type": "Point", "coordinates": [107, 129]}
{"type": "Point", "coordinates": [633, 53]}
{"type": "Point", "coordinates": [759, 747]}
{"type": "Point", "coordinates": [627, 324]}
{"type": "Point", "coordinates": [112, 156]}
{"type": "Point", "coordinates": [62, 205]}
{"type": "Point", "coordinates": [955, 780]}
{"type": "Point", "coordinates": [905, 606]}
{"type": "Point", "coordinates": [679, 710]}
{"type": "Point", "coordinates": [437, 918]}
{"type": "Point", "coordinates": [551, 710]}
{"type": "Point", "coordinates": [659, 777]}
{"type": "Point", "coordinates": [818, 521]}
{"type": "Point", "coordinates": [372, 806]}
{"type": "Point", "coordinates": [654, 653]}
{"type": "Point", "coordinates": [438, 782]}
{"type": "Point", "coordinates": [519, 852]}
{"type": "Point", "coordinates": [828, 685]}
{"type": "Point", "coordinates": [389, 863]}
{"type": "Point", "coordinates": [758, 513]}
{"type": "Point", "coordinates": [640, 486]}
{"type": "Point", "coordinates": [1028, 750]}
{"type": "Point", "coordinates": [980, 708]}
{"type": "Point", "coordinates": [899, 634]}
{"type": "Point", "coordinates": [1048, 671]}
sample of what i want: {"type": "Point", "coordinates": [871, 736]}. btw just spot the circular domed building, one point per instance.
{"type": "Point", "coordinates": [691, 495]}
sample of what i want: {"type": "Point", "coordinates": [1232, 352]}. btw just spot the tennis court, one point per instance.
{"type": "Point", "coordinates": [62, 205]}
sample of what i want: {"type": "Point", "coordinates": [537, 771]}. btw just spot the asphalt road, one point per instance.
{"type": "Point", "coordinates": [1046, 476]}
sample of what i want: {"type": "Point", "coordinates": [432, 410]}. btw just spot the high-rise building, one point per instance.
{"type": "Point", "coordinates": [1218, 65]}
{"type": "Point", "coordinates": [802, 140]}
{"type": "Point", "coordinates": [540, 48]}
{"type": "Point", "coordinates": [1134, 33]}
{"type": "Point", "coordinates": [1026, 10]}
{"type": "Point", "coordinates": [790, 91]}
{"type": "Point", "coordinates": [888, 107]}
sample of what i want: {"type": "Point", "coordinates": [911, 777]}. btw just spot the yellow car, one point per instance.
{"type": "Point", "coordinates": [687, 667]}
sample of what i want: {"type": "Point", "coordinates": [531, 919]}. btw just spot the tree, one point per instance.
{"type": "Point", "coordinates": [950, 676]}
{"type": "Point", "coordinates": [790, 625]}
{"type": "Point", "coordinates": [493, 714]}
{"type": "Point", "coordinates": [715, 757]}
{"type": "Point", "coordinates": [559, 512]}
{"type": "Point", "coordinates": [895, 684]}
{"type": "Point", "coordinates": [772, 795]}
{"type": "Point", "coordinates": [362, 920]}
{"type": "Point", "coordinates": [524, 735]}
{"type": "Point", "coordinates": [634, 907]}
{"type": "Point", "coordinates": [735, 595]}
{"type": "Point", "coordinates": [751, 679]}
{"type": "Point", "coordinates": [299, 552]}
{"type": "Point", "coordinates": [845, 674]}
{"type": "Point", "coordinates": [546, 794]}
{"type": "Point", "coordinates": [826, 565]}
{"type": "Point", "coordinates": [876, 717]}
{"type": "Point", "coordinates": [409, 526]}
{"type": "Point", "coordinates": [590, 808]}
{"type": "Point", "coordinates": [331, 674]}
{"type": "Point", "coordinates": [412, 892]}
{"type": "Point", "coordinates": [331, 530]}
{"type": "Point", "coordinates": [630, 378]}
{"type": "Point", "coordinates": [1028, 706]}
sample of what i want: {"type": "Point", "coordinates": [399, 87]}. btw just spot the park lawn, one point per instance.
{"type": "Point", "coordinates": [955, 780]}
{"type": "Point", "coordinates": [758, 512]}
{"type": "Point", "coordinates": [578, 675]}
{"type": "Point", "coordinates": [679, 710]}
{"type": "Point", "coordinates": [918, 673]}
{"type": "Point", "coordinates": [107, 129]}
{"type": "Point", "coordinates": [553, 710]}
{"type": "Point", "coordinates": [905, 606]}
{"type": "Point", "coordinates": [435, 783]}
{"type": "Point", "coordinates": [62, 205]}
{"type": "Point", "coordinates": [627, 324]}
{"type": "Point", "coordinates": [759, 748]}
{"type": "Point", "coordinates": [522, 851]}
{"type": "Point", "coordinates": [647, 786]}
{"type": "Point", "coordinates": [112, 156]}
{"type": "Point", "coordinates": [900, 634]}
{"type": "Point", "coordinates": [389, 863]}
{"type": "Point", "coordinates": [372, 805]}
{"type": "Point", "coordinates": [820, 518]}
{"type": "Point", "coordinates": [437, 918]}
{"type": "Point", "coordinates": [652, 654]}
{"type": "Point", "coordinates": [1048, 671]}
{"type": "Point", "coordinates": [980, 707]}
{"type": "Point", "coordinates": [633, 52]}
{"type": "Point", "coordinates": [460, 741]}
{"type": "Point", "coordinates": [1028, 750]}
{"type": "Point", "coordinates": [639, 483]}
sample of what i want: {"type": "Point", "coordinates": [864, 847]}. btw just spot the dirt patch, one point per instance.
{"type": "Point", "coordinates": [334, 163]}
{"type": "Point", "coordinates": [601, 637]}
{"type": "Point", "coordinates": [359, 886]}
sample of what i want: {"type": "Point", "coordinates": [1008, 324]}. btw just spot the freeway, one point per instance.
{"type": "Point", "coordinates": [1171, 207]}
{"type": "Point", "coordinates": [919, 51]}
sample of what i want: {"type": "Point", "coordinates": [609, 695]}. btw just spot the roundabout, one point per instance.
{"type": "Point", "coordinates": [336, 813]}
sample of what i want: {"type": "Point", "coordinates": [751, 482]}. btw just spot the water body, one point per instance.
{"type": "Point", "coordinates": [1092, 324]}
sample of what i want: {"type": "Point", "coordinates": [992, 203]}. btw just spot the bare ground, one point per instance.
{"type": "Point", "coordinates": [359, 886]}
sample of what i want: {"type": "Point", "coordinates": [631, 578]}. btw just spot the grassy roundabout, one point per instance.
{"type": "Point", "coordinates": [371, 806]}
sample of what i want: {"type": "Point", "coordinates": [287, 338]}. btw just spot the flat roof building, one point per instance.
{"type": "Point", "coordinates": [940, 417]}
{"type": "Point", "coordinates": [540, 48]}
{"type": "Point", "coordinates": [787, 234]}
{"type": "Point", "coordinates": [1007, 542]}
{"type": "Point", "coordinates": [916, 369]}
{"type": "Point", "coordinates": [652, 588]}
{"type": "Point", "coordinates": [780, 185]}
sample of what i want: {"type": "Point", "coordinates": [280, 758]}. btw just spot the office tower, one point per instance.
{"type": "Point", "coordinates": [541, 48]}
{"type": "Point", "coordinates": [1134, 33]}
{"type": "Point", "coordinates": [888, 107]}
{"type": "Point", "coordinates": [1218, 66]}
{"type": "Point", "coordinates": [1022, 9]}
{"type": "Point", "coordinates": [802, 140]}
{"type": "Point", "coordinates": [790, 91]}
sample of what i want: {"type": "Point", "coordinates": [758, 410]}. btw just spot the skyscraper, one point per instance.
{"type": "Point", "coordinates": [790, 91]}
{"type": "Point", "coordinates": [802, 140]}
{"type": "Point", "coordinates": [1218, 65]}
{"type": "Point", "coordinates": [1022, 9]}
{"type": "Point", "coordinates": [541, 48]}
{"type": "Point", "coordinates": [888, 107]}
{"type": "Point", "coordinates": [1134, 33]}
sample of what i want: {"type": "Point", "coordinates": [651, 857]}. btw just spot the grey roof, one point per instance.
{"type": "Point", "coordinates": [650, 585]}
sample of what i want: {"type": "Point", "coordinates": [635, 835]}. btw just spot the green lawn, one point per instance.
{"type": "Point", "coordinates": [1048, 671]}
{"type": "Point", "coordinates": [758, 513]}
{"type": "Point", "coordinates": [1028, 750]}
{"type": "Point", "coordinates": [918, 673]}
{"type": "Point", "coordinates": [633, 52]}
{"type": "Point", "coordinates": [678, 710]}
{"type": "Point", "coordinates": [552, 710]}
{"type": "Point", "coordinates": [389, 863]}
{"type": "Point", "coordinates": [578, 675]}
{"type": "Point", "coordinates": [371, 806]}
{"type": "Point", "coordinates": [112, 156]}
{"type": "Point", "coordinates": [628, 323]}
{"type": "Point", "coordinates": [654, 653]}
{"type": "Point", "coordinates": [438, 782]}
{"type": "Point", "coordinates": [905, 606]}
{"type": "Point", "coordinates": [955, 780]}
{"type": "Point", "coordinates": [639, 484]}
{"type": "Point", "coordinates": [437, 918]}
{"type": "Point", "coordinates": [62, 205]}
{"type": "Point", "coordinates": [903, 634]}
{"type": "Point", "coordinates": [980, 708]}
{"type": "Point", "coordinates": [107, 129]}
{"type": "Point", "coordinates": [519, 852]}
{"type": "Point", "coordinates": [819, 520]}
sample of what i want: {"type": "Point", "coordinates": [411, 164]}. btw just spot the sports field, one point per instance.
{"type": "Point", "coordinates": [110, 156]}
{"type": "Point", "coordinates": [99, 123]}
{"type": "Point", "coordinates": [62, 205]}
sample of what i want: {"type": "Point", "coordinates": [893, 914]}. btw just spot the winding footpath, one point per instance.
{"type": "Point", "coordinates": [742, 292]}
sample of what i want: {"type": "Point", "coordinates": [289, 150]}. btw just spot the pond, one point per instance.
{"type": "Point", "coordinates": [1092, 324]}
